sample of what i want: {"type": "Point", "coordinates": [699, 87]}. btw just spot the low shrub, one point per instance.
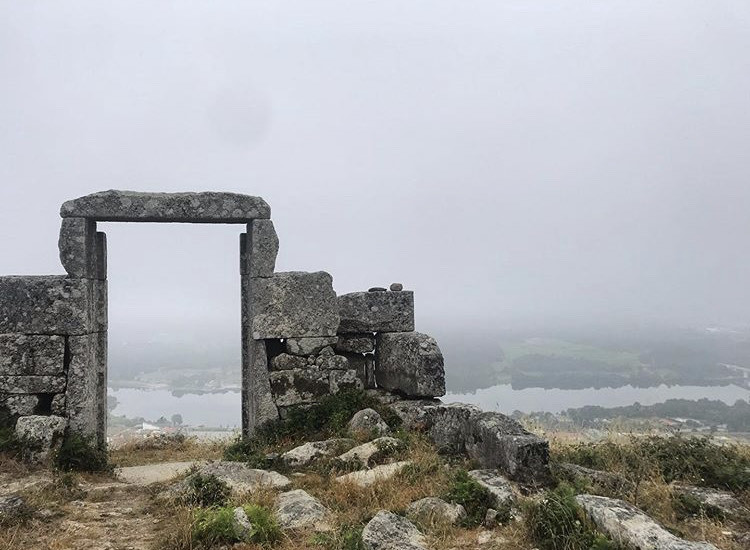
{"type": "Point", "coordinates": [81, 454]}
{"type": "Point", "coordinates": [688, 506]}
{"type": "Point", "coordinates": [556, 522]}
{"type": "Point", "coordinates": [206, 490]}
{"type": "Point", "coordinates": [214, 526]}
{"type": "Point", "coordinates": [474, 497]}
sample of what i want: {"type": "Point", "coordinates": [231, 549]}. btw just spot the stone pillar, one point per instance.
{"type": "Point", "coordinates": [83, 253]}
{"type": "Point", "coordinates": [258, 250]}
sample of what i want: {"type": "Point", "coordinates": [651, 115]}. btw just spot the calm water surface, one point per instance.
{"type": "Point", "coordinates": [223, 409]}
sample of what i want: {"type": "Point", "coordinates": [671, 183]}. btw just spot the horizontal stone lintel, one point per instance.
{"type": "Point", "coordinates": [32, 384]}
{"type": "Point", "coordinates": [199, 207]}
{"type": "Point", "coordinates": [22, 354]}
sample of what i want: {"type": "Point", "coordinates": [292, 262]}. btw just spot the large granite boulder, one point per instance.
{"type": "Point", "coordinates": [496, 484]}
{"type": "Point", "coordinates": [355, 343]}
{"type": "Point", "coordinates": [388, 531]}
{"type": "Point", "coordinates": [258, 249]}
{"type": "Point", "coordinates": [447, 425]}
{"type": "Point", "coordinates": [238, 476]}
{"type": "Point", "coordinates": [293, 304]}
{"type": "Point", "coordinates": [628, 525]}
{"type": "Point", "coordinates": [41, 355]}
{"type": "Point", "coordinates": [378, 474]}
{"type": "Point", "coordinates": [409, 363]}
{"type": "Point", "coordinates": [40, 435]}
{"type": "Point", "coordinates": [136, 206]}
{"type": "Point", "coordinates": [48, 305]}
{"type": "Point", "coordinates": [376, 312]}
{"type": "Point", "coordinates": [368, 421]}
{"type": "Point", "coordinates": [309, 346]}
{"type": "Point", "coordinates": [498, 441]}
{"type": "Point", "coordinates": [309, 452]}
{"type": "Point", "coordinates": [297, 386]}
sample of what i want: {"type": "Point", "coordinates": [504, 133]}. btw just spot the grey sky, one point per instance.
{"type": "Point", "coordinates": [511, 161]}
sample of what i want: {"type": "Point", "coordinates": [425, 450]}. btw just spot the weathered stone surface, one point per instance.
{"type": "Point", "coordinates": [365, 367]}
{"type": "Point", "coordinates": [628, 525]}
{"type": "Point", "coordinates": [497, 441]}
{"type": "Point", "coordinates": [396, 287]}
{"type": "Point", "coordinates": [258, 249]}
{"type": "Point", "coordinates": [356, 343]}
{"type": "Point", "coordinates": [388, 531]}
{"type": "Point", "coordinates": [410, 363]}
{"type": "Point", "coordinates": [286, 361]}
{"type": "Point", "coordinates": [82, 393]}
{"type": "Point", "coordinates": [500, 487]}
{"type": "Point", "coordinates": [723, 501]}
{"type": "Point", "coordinates": [448, 425]}
{"type": "Point", "coordinates": [376, 312]}
{"type": "Point", "coordinates": [368, 453]}
{"type": "Point", "coordinates": [365, 478]}
{"type": "Point", "coordinates": [309, 346]}
{"type": "Point", "coordinates": [607, 481]}
{"type": "Point", "coordinates": [332, 362]}
{"type": "Point", "coordinates": [41, 435]}
{"type": "Point", "coordinates": [433, 510]}
{"type": "Point", "coordinates": [58, 405]}
{"type": "Point", "coordinates": [292, 387]}
{"type": "Point", "coordinates": [293, 304]}
{"type": "Point", "coordinates": [157, 473]}
{"type": "Point", "coordinates": [306, 454]}
{"type": "Point", "coordinates": [78, 247]}
{"type": "Point", "coordinates": [299, 510]}
{"type": "Point", "coordinates": [341, 380]}
{"type": "Point", "coordinates": [46, 305]}
{"type": "Point", "coordinates": [241, 478]}
{"type": "Point", "coordinates": [368, 421]}
{"type": "Point", "coordinates": [41, 355]}
{"type": "Point", "coordinates": [31, 384]}
{"type": "Point", "coordinates": [17, 405]}
{"type": "Point", "coordinates": [241, 525]}
{"type": "Point", "coordinates": [135, 206]}
{"type": "Point", "coordinates": [258, 405]}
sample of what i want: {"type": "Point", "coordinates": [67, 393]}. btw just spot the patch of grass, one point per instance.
{"type": "Point", "coordinates": [696, 460]}
{"type": "Point", "coordinates": [206, 490]}
{"type": "Point", "coordinates": [688, 506]}
{"type": "Point", "coordinates": [81, 454]}
{"type": "Point", "coordinates": [475, 498]}
{"type": "Point", "coordinates": [556, 522]}
{"type": "Point", "coordinates": [346, 538]}
{"type": "Point", "coordinates": [165, 449]}
{"type": "Point", "coordinates": [213, 526]}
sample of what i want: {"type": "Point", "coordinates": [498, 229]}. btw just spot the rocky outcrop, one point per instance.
{"type": "Point", "coordinates": [306, 454]}
{"type": "Point", "coordinates": [368, 421]}
{"type": "Point", "coordinates": [627, 524]}
{"type": "Point", "coordinates": [299, 510]}
{"type": "Point", "coordinates": [240, 477]}
{"type": "Point", "coordinates": [138, 206]}
{"type": "Point", "coordinates": [433, 510]}
{"type": "Point", "coordinates": [409, 363]}
{"type": "Point", "coordinates": [723, 502]}
{"type": "Point", "coordinates": [365, 478]}
{"type": "Point", "coordinates": [376, 312]}
{"type": "Point", "coordinates": [387, 531]}
{"type": "Point", "coordinates": [368, 453]}
{"type": "Point", "coordinates": [309, 346]}
{"type": "Point", "coordinates": [606, 481]}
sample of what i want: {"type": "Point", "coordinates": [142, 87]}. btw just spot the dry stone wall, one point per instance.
{"type": "Point", "coordinates": [300, 341]}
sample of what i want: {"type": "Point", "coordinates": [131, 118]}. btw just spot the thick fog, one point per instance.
{"type": "Point", "coordinates": [513, 162]}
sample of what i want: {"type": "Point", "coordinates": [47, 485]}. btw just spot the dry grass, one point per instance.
{"type": "Point", "coordinates": [140, 453]}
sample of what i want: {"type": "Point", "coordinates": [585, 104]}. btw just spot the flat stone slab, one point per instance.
{"type": "Point", "coordinates": [496, 484]}
{"type": "Point", "coordinates": [241, 478]}
{"type": "Point", "coordinates": [48, 305]}
{"type": "Point", "coordinates": [306, 454]}
{"type": "Point", "coordinates": [376, 312]}
{"type": "Point", "coordinates": [388, 531]}
{"type": "Point", "coordinates": [40, 355]}
{"type": "Point", "coordinates": [433, 510]}
{"type": "Point", "coordinates": [293, 304]}
{"type": "Point", "coordinates": [154, 473]}
{"type": "Point", "coordinates": [365, 478]}
{"type": "Point", "coordinates": [363, 454]}
{"type": "Point", "coordinates": [625, 523]}
{"type": "Point", "coordinates": [136, 206]}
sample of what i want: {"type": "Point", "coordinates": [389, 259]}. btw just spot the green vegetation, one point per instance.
{"type": "Point", "coordinates": [346, 538]}
{"type": "Point", "coordinates": [696, 460]}
{"type": "Point", "coordinates": [81, 454]}
{"type": "Point", "coordinates": [213, 526]}
{"type": "Point", "coordinates": [475, 498]}
{"type": "Point", "coordinates": [556, 522]}
{"type": "Point", "coordinates": [326, 419]}
{"type": "Point", "coordinates": [207, 490]}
